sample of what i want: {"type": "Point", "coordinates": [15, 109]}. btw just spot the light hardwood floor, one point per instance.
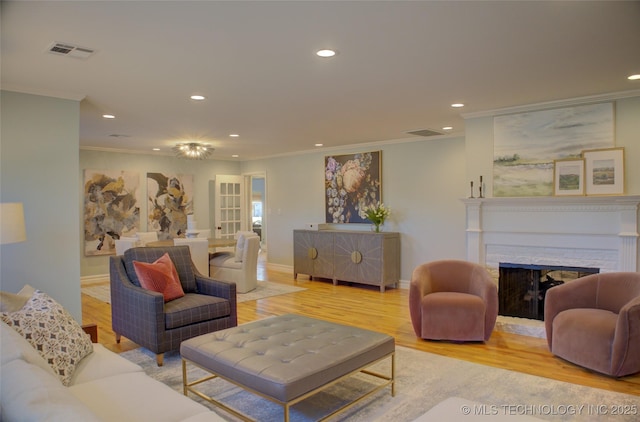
{"type": "Point", "coordinates": [388, 312]}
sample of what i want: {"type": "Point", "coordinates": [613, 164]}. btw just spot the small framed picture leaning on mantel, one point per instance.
{"type": "Point", "coordinates": [568, 177]}
{"type": "Point", "coordinates": [604, 171]}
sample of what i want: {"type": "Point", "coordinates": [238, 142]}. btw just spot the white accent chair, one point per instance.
{"type": "Point", "coordinates": [146, 237]}
{"type": "Point", "coordinates": [125, 243]}
{"type": "Point", "coordinates": [240, 267]}
{"type": "Point", "coordinates": [199, 248]}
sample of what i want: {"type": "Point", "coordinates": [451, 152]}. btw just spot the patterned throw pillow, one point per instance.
{"type": "Point", "coordinates": [53, 332]}
{"type": "Point", "coordinates": [160, 276]}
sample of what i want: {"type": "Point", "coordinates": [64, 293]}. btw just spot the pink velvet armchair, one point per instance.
{"type": "Point", "coordinates": [453, 300]}
{"type": "Point", "coordinates": [594, 322]}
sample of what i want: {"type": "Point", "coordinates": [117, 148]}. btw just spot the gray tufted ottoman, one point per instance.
{"type": "Point", "coordinates": [287, 358]}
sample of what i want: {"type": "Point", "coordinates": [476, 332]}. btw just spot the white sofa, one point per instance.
{"type": "Point", "coordinates": [104, 387]}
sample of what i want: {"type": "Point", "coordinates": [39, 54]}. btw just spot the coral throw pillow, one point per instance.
{"type": "Point", "coordinates": [160, 276]}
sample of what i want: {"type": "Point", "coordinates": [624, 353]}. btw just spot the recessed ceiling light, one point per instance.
{"type": "Point", "coordinates": [319, 145]}
{"type": "Point", "coordinates": [156, 149]}
{"type": "Point", "coordinates": [447, 128]}
{"type": "Point", "coordinates": [235, 156]}
{"type": "Point", "coordinates": [197, 97]}
{"type": "Point", "coordinates": [634, 77]}
{"type": "Point", "coordinates": [326, 53]}
{"type": "Point", "coordinates": [234, 135]}
{"type": "Point", "coordinates": [108, 116]}
{"type": "Point", "coordinates": [457, 105]}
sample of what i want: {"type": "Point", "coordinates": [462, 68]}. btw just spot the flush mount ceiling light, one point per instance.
{"type": "Point", "coordinates": [634, 77]}
{"type": "Point", "coordinates": [326, 53]}
{"type": "Point", "coordinates": [198, 97]}
{"type": "Point", "coordinates": [457, 105]}
{"type": "Point", "coordinates": [193, 151]}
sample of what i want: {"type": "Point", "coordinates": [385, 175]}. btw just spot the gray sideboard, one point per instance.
{"type": "Point", "coordinates": [354, 256]}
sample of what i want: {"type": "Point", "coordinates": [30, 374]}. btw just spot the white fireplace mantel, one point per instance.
{"type": "Point", "coordinates": [596, 232]}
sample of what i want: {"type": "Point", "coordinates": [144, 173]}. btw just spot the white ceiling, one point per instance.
{"type": "Point", "coordinates": [399, 66]}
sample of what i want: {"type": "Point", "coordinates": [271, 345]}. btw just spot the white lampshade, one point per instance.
{"type": "Point", "coordinates": [12, 228]}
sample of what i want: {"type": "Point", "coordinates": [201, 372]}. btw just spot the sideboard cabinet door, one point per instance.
{"type": "Point", "coordinates": [313, 253]}
{"type": "Point", "coordinates": [357, 257]}
{"type": "Point", "coordinates": [367, 258]}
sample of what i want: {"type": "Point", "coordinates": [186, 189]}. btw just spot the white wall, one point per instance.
{"type": "Point", "coordinates": [627, 129]}
{"type": "Point", "coordinates": [423, 182]}
{"type": "Point", "coordinates": [39, 167]}
{"type": "Point", "coordinates": [202, 171]}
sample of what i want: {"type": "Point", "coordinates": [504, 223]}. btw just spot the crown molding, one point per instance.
{"type": "Point", "coordinates": [44, 92]}
{"type": "Point", "coordinates": [554, 104]}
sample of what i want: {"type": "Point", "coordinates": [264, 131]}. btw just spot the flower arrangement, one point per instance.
{"type": "Point", "coordinates": [377, 214]}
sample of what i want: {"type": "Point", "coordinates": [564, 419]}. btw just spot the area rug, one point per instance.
{"type": "Point", "coordinates": [422, 381]}
{"type": "Point", "coordinates": [264, 289]}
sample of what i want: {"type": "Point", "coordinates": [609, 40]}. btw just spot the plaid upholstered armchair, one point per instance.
{"type": "Point", "coordinates": [142, 315]}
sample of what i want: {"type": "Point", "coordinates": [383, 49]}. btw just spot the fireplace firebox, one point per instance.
{"type": "Point", "coordinates": [522, 288]}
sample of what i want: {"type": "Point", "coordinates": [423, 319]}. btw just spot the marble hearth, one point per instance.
{"type": "Point", "coordinates": [594, 232]}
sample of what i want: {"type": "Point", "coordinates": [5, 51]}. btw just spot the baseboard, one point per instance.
{"type": "Point", "coordinates": [93, 279]}
{"type": "Point", "coordinates": [279, 267]}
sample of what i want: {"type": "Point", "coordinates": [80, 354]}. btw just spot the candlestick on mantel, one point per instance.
{"type": "Point", "coordinates": [471, 197]}
{"type": "Point", "coordinates": [480, 189]}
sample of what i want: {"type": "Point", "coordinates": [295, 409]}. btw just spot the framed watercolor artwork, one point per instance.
{"type": "Point", "coordinates": [111, 209]}
{"type": "Point", "coordinates": [568, 177]}
{"type": "Point", "coordinates": [170, 200]}
{"type": "Point", "coordinates": [604, 171]}
{"type": "Point", "coordinates": [352, 183]}
{"type": "Point", "coordinates": [526, 145]}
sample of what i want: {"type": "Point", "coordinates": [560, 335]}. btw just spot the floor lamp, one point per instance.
{"type": "Point", "coordinates": [12, 228]}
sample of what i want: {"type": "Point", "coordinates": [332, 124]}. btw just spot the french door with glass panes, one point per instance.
{"type": "Point", "coordinates": [229, 206]}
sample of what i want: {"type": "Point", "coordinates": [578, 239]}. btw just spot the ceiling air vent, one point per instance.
{"type": "Point", "coordinates": [424, 132]}
{"type": "Point", "coordinates": [69, 50]}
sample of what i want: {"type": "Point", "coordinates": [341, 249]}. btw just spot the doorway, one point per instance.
{"type": "Point", "coordinates": [256, 184]}
{"type": "Point", "coordinates": [239, 203]}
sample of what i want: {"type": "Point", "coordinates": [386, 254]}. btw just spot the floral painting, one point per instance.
{"type": "Point", "coordinates": [111, 209]}
{"type": "Point", "coordinates": [352, 183]}
{"type": "Point", "coordinates": [170, 200]}
{"type": "Point", "coordinates": [526, 145]}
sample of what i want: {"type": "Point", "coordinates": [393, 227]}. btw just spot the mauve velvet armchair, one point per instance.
{"type": "Point", "coordinates": [594, 322]}
{"type": "Point", "coordinates": [453, 300]}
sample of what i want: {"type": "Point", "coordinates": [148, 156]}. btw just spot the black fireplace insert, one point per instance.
{"type": "Point", "coordinates": [522, 288]}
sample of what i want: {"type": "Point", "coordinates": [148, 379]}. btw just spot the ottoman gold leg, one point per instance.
{"type": "Point", "coordinates": [184, 377]}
